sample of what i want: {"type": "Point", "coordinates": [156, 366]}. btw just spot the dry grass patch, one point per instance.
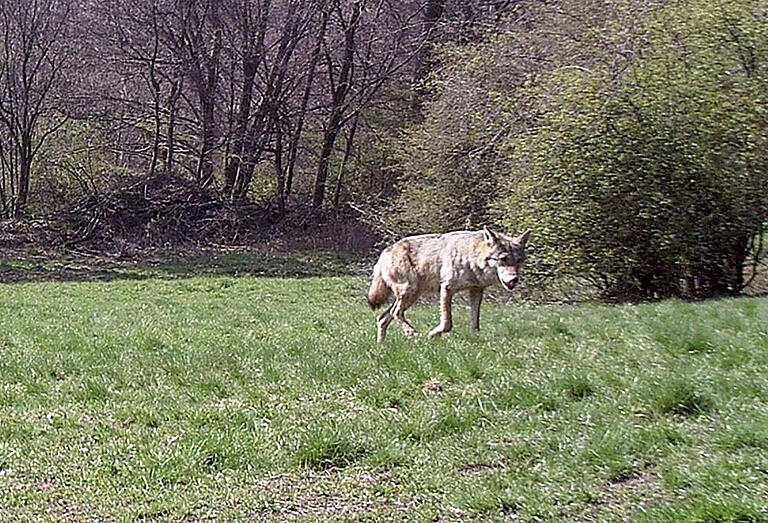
{"type": "Point", "coordinates": [332, 495]}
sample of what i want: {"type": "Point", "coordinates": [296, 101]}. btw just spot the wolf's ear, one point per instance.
{"type": "Point", "coordinates": [523, 238]}
{"type": "Point", "coordinates": [489, 236]}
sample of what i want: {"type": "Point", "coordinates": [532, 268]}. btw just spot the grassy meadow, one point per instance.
{"type": "Point", "coordinates": [228, 391]}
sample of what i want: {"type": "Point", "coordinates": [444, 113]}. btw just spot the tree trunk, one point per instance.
{"type": "Point", "coordinates": [293, 147]}
{"type": "Point", "coordinates": [335, 121]}
{"type": "Point", "coordinates": [279, 174]}
{"type": "Point", "coordinates": [253, 50]}
{"type": "Point", "coordinates": [342, 168]}
{"type": "Point", "coordinates": [206, 79]}
{"type": "Point", "coordinates": [25, 169]}
{"type": "Point", "coordinates": [253, 147]}
{"type": "Point", "coordinates": [173, 97]}
{"type": "Point", "coordinates": [329, 137]}
{"type": "Point", "coordinates": [205, 162]}
{"type": "Point", "coordinates": [234, 162]}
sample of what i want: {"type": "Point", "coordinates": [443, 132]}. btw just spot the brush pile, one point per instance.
{"type": "Point", "coordinates": [169, 213]}
{"type": "Point", "coordinates": [19, 233]}
{"type": "Point", "coordinates": [161, 211]}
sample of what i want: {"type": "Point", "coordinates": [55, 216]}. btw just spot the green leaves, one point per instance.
{"type": "Point", "coordinates": [653, 183]}
{"type": "Point", "coordinates": [633, 145]}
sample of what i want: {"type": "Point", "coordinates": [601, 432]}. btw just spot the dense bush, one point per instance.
{"type": "Point", "coordinates": [640, 167]}
{"type": "Point", "coordinates": [456, 163]}
{"type": "Point", "coordinates": [654, 184]}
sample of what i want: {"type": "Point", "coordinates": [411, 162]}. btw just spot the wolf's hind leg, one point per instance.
{"type": "Point", "coordinates": [398, 311]}
{"type": "Point", "coordinates": [383, 322]}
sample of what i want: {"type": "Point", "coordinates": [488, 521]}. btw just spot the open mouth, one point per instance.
{"type": "Point", "coordinates": [509, 285]}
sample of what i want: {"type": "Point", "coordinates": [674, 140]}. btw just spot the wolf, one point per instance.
{"type": "Point", "coordinates": [444, 263]}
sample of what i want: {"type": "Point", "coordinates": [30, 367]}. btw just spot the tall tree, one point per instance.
{"type": "Point", "coordinates": [250, 24]}
{"type": "Point", "coordinates": [200, 45]}
{"type": "Point", "coordinates": [296, 124]}
{"type": "Point", "coordinates": [340, 79]}
{"type": "Point", "coordinates": [274, 60]}
{"type": "Point", "coordinates": [369, 46]}
{"type": "Point", "coordinates": [32, 60]}
{"type": "Point", "coordinates": [150, 102]}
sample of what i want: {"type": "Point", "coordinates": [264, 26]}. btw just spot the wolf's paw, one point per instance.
{"type": "Point", "coordinates": [436, 332]}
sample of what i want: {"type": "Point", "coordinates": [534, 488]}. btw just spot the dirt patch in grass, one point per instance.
{"type": "Point", "coordinates": [49, 498]}
{"type": "Point", "coordinates": [331, 495]}
{"type": "Point", "coordinates": [629, 492]}
{"type": "Point", "coordinates": [479, 469]}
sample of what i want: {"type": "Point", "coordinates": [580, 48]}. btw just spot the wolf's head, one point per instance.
{"type": "Point", "coordinates": [507, 255]}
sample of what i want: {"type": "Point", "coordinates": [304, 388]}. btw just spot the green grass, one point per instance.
{"type": "Point", "coordinates": [167, 396]}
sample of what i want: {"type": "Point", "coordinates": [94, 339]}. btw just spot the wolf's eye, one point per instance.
{"type": "Point", "coordinates": [509, 259]}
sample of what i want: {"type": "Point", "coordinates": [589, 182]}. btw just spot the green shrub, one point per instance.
{"type": "Point", "coordinates": [654, 183]}
{"type": "Point", "coordinates": [635, 151]}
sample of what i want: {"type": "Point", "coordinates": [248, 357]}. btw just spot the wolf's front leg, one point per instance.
{"type": "Point", "coordinates": [475, 297]}
{"type": "Point", "coordinates": [446, 322]}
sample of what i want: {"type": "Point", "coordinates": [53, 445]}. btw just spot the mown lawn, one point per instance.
{"type": "Point", "coordinates": [180, 397]}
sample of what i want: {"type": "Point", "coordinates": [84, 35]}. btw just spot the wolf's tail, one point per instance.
{"type": "Point", "coordinates": [379, 292]}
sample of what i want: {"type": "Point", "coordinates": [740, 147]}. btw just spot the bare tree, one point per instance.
{"type": "Point", "coordinates": [250, 23]}
{"type": "Point", "coordinates": [154, 94]}
{"type": "Point", "coordinates": [32, 60]}
{"type": "Point", "coordinates": [299, 119]}
{"type": "Point", "coordinates": [375, 42]}
{"type": "Point", "coordinates": [240, 92]}
{"type": "Point", "coordinates": [270, 37]}
{"type": "Point", "coordinates": [200, 45]}
{"type": "Point", "coordinates": [340, 83]}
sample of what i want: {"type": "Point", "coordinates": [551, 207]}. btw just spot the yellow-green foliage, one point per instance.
{"type": "Point", "coordinates": [454, 161]}
{"type": "Point", "coordinates": [72, 163]}
{"type": "Point", "coordinates": [654, 183]}
{"type": "Point", "coordinates": [633, 146]}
